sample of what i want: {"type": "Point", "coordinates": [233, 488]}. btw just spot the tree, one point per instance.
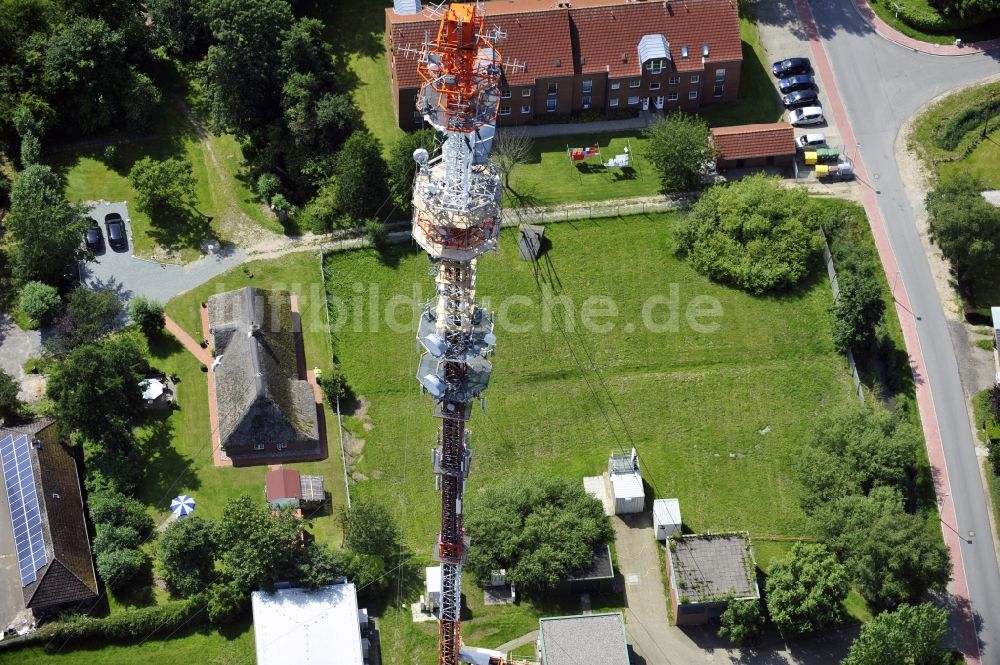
{"type": "Point", "coordinates": [39, 302]}
{"type": "Point", "coordinates": [177, 26]}
{"type": "Point", "coordinates": [148, 315]}
{"type": "Point", "coordinates": [255, 547]}
{"type": "Point", "coordinates": [119, 567]}
{"type": "Point", "coordinates": [45, 227]}
{"type": "Point", "coordinates": [31, 150]}
{"type": "Point", "coordinates": [908, 635]}
{"type": "Point", "coordinates": [401, 169]}
{"type": "Point", "coordinates": [359, 177]}
{"type": "Point", "coordinates": [858, 312]}
{"type": "Point", "coordinates": [678, 148]}
{"type": "Point", "coordinates": [539, 529]}
{"type": "Point", "coordinates": [96, 386]}
{"type": "Point", "coordinates": [742, 622]}
{"type": "Point", "coordinates": [187, 555]}
{"type": "Point", "coordinates": [334, 384]}
{"type": "Point", "coordinates": [118, 510]}
{"type": "Point", "coordinates": [804, 590]}
{"type": "Point", "coordinates": [511, 147]}
{"type": "Point", "coordinates": [89, 317]}
{"type": "Point", "coordinates": [891, 556]}
{"type": "Point", "coordinates": [968, 9]}
{"type": "Point", "coordinates": [163, 186]}
{"type": "Point", "coordinates": [111, 537]}
{"type": "Point", "coordinates": [11, 405]}
{"type": "Point", "coordinates": [268, 184]}
{"type": "Point", "coordinates": [225, 601]}
{"type": "Point", "coordinates": [369, 528]}
{"type": "Point", "coordinates": [966, 227]}
{"type": "Point", "coordinates": [754, 234]}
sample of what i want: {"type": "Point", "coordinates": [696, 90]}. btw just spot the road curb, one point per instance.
{"type": "Point", "coordinates": [889, 33]}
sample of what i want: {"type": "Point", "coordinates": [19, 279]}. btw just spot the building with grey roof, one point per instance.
{"type": "Point", "coordinates": [588, 639]}
{"type": "Point", "coordinates": [266, 408]}
{"type": "Point", "coordinates": [45, 507]}
{"type": "Point", "coordinates": [706, 572]}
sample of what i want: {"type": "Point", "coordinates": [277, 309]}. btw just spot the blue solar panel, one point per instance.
{"type": "Point", "coordinates": [25, 515]}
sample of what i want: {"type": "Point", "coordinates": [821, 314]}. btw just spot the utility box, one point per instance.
{"type": "Point", "coordinates": [432, 589]}
{"type": "Point", "coordinates": [996, 326]}
{"type": "Point", "coordinates": [666, 518]}
{"type": "Point", "coordinates": [627, 493]}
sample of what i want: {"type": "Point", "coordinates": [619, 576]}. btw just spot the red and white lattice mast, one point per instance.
{"type": "Point", "coordinates": [456, 217]}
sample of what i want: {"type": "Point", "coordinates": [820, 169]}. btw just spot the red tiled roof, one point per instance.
{"type": "Point", "coordinates": [540, 33]}
{"type": "Point", "coordinates": [749, 141]}
{"type": "Point", "coordinates": [283, 484]}
{"type": "Point", "coordinates": [538, 41]}
{"type": "Point", "coordinates": [608, 36]}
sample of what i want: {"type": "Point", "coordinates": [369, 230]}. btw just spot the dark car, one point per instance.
{"type": "Point", "coordinates": [93, 238]}
{"type": "Point", "coordinates": [115, 225]}
{"type": "Point", "coordinates": [800, 98]}
{"type": "Point", "coordinates": [791, 67]}
{"type": "Point", "coordinates": [793, 83]}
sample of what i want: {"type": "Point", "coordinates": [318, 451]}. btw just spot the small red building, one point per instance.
{"type": "Point", "coordinates": [287, 487]}
{"type": "Point", "coordinates": [745, 146]}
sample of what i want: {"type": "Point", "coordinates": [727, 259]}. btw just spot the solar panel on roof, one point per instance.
{"type": "Point", "coordinates": [25, 515]}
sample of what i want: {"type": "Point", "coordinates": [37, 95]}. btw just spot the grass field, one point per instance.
{"type": "Point", "coordinates": [927, 125]}
{"type": "Point", "coordinates": [188, 427]}
{"type": "Point", "coordinates": [221, 193]}
{"type": "Point", "coordinates": [886, 10]}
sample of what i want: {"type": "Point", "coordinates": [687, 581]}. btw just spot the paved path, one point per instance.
{"type": "Point", "coordinates": [527, 638]}
{"type": "Point", "coordinates": [882, 85]}
{"type": "Point", "coordinates": [16, 346]}
{"type": "Point", "coordinates": [888, 32]}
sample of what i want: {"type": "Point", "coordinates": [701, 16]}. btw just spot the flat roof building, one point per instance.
{"type": "Point", "coordinates": [589, 639]}
{"type": "Point", "coordinates": [706, 571]}
{"type": "Point", "coordinates": [308, 627]}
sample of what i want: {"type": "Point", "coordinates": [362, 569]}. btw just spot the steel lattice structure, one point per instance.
{"type": "Point", "coordinates": [456, 203]}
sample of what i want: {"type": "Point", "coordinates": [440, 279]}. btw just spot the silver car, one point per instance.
{"type": "Point", "coordinates": [807, 115]}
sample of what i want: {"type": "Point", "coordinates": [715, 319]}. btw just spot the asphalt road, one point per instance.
{"type": "Point", "coordinates": [882, 85]}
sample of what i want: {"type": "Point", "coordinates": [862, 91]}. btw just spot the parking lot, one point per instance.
{"type": "Point", "coordinates": [116, 269]}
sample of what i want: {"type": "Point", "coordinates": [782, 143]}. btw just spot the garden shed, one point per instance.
{"type": "Point", "coordinates": [627, 493]}
{"type": "Point", "coordinates": [666, 517]}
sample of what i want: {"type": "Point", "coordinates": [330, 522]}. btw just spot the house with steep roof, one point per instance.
{"type": "Point", "coordinates": [746, 146]}
{"type": "Point", "coordinates": [578, 56]}
{"type": "Point", "coordinates": [46, 516]}
{"type": "Point", "coordinates": [266, 409]}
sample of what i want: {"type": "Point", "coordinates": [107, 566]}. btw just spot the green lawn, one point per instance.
{"type": "Point", "coordinates": [983, 162]}
{"type": "Point", "coordinates": [298, 273]}
{"type": "Point", "coordinates": [226, 206]}
{"type": "Point", "coordinates": [927, 125]}
{"type": "Point", "coordinates": [233, 645]}
{"type": "Point", "coordinates": [886, 10]}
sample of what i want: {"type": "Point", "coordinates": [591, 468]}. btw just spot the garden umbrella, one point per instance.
{"type": "Point", "coordinates": [182, 505]}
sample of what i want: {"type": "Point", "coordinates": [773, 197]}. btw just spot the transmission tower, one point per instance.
{"type": "Point", "coordinates": [456, 218]}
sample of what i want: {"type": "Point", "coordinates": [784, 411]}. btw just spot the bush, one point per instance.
{"type": "Point", "coordinates": [111, 537]}
{"type": "Point", "coordinates": [187, 555]}
{"type": "Point", "coordinates": [742, 622]}
{"type": "Point", "coordinates": [927, 19]}
{"type": "Point", "coordinates": [858, 312]}
{"type": "Point", "coordinates": [11, 405]}
{"type": "Point", "coordinates": [148, 315]}
{"type": "Point", "coordinates": [225, 602]}
{"type": "Point", "coordinates": [125, 624]}
{"type": "Point", "coordinates": [805, 590]}
{"type": "Point", "coordinates": [334, 385]}
{"type": "Point", "coordinates": [119, 567]}
{"type": "Point", "coordinates": [268, 185]}
{"type": "Point", "coordinates": [960, 124]}
{"type": "Point", "coordinates": [320, 214]}
{"type": "Point", "coordinates": [114, 509]}
{"type": "Point", "coordinates": [753, 234]}
{"type": "Point", "coordinates": [39, 302]}
{"type": "Point", "coordinates": [376, 233]}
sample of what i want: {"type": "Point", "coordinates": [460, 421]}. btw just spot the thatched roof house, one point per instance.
{"type": "Point", "coordinates": [265, 405]}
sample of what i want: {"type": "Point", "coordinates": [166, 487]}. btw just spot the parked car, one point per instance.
{"type": "Point", "coordinates": [800, 98]}
{"type": "Point", "coordinates": [115, 225]}
{"type": "Point", "coordinates": [791, 67]}
{"type": "Point", "coordinates": [807, 115]}
{"type": "Point", "coordinates": [807, 141]}
{"type": "Point", "coordinates": [93, 238]}
{"type": "Point", "coordinates": [793, 83]}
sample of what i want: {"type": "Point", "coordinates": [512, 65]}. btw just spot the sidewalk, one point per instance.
{"type": "Point", "coordinates": [969, 644]}
{"type": "Point", "coordinates": [596, 127]}
{"type": "Point", "coordinates": [888, 32]}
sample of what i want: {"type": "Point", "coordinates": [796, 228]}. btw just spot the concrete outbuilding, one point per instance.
{"type": "Point", "coordinates": [706, 572]}
{"type": "Point", "coordinates": [627, 493]}
{"type": "Point", "coordinates": [590, 639]}
{"type": "Point", "coordinates": [666, 518]}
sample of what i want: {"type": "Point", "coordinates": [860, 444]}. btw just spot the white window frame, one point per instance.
{"type": "Point", "coordinates": [718, 90]}
{"type": "Point", "coordinates": [525, 108]}
{"type": "Point", "coordinates": [655, 66]}
{"type": "Point", "coordinates": [655, 85]}
{"type": "Point", "coordinates": [696, 78]}
{"type": "Point", "coordinates": [692, 94]}
{"type": "Point", "coordinates": [633, 100]}
{"type": "Point", "coordinates": [674, 80]}
{"type": "Point", "coordinates": [553, 89]}
{"type": "Point", "coordinates": [586, 101]}
{"type": "Point", "coordinates": [672, 96]}
{"type": "Point", "coordinates": [505, 94]}
{"type": "Point", "coordinates": [526, 92]}
{"type": "Point", "coordinates": [550, 105]}
{"type": "Point", "coordinates": [616, 85]}
{"type": "Point", "coordinates": [614, 101]}
{"type": "Point", "coordinates": [504, 110]}
{"type": "Point", "coordinates": [587, 86]}
{"type": "Point", "coordinates": [635, 83]}
{"type": "Point", "coordinates": [720, 75]}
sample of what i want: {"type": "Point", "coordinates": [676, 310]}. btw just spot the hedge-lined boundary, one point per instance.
{"type": "Point", "coordinates": [963, 122]}
{"type": "Point", "coordinates": [928, 19]}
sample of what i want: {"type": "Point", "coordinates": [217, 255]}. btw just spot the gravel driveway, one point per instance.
{"type": "Point", "coordinates": [128, 276]}
{"type": "Point", "coordinates": [16, 346]}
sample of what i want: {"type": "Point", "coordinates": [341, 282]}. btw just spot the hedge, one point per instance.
{"type": "Point", "coordinates": [960, 124]}
{"type": "Point", "coordinates": [928, 19]}
{"type": "Point", "coordinates": [125, 624]}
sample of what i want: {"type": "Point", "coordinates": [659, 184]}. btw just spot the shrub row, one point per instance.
{"type": "Point", "coordinates": [131, 624]}
{"type": "Point", "coordinates": [963, 122]}
{"type": "Point", "coordinates": [928, 19]}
